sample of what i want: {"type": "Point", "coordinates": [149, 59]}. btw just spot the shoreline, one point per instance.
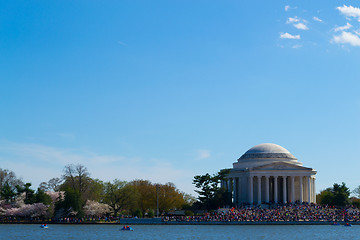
{"type": "Point", "coordinates": [172, 223]}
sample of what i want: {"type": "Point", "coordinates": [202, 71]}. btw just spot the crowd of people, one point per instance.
{"type": "Point", "coordinates": [87, 219]}
{"type": "Point", "coordinates": [290, 212]}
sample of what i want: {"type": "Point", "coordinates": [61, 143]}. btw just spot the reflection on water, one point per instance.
{"type": "Point", "coordinates": [102, 231]}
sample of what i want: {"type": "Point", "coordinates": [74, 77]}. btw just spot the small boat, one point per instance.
{"type": "Point", "coordinates": [127, 228]}
{"type": "Point", "coordinates": [347, 225]}
{"type": "Point", "coordinates": [44, 226]}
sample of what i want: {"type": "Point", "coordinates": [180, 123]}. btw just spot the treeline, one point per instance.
{"type": "Point", "coordinates": [76, 194]}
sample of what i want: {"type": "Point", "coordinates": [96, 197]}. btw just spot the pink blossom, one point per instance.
{"type": "Point", "coordinates": [27, 210]}
{"type": "Point", "coordinates": [93, 208]}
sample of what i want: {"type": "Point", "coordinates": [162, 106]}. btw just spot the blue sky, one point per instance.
{"type": "Point", "coordinates": [165, 90]}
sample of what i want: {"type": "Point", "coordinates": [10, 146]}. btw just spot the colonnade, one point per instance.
{"type": "Point", "coordinates": [264, 188]}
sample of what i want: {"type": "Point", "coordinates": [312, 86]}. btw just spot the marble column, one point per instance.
{"type": "Point", "coordinates": [311, 191]}
{"type": "Point", "coordinates": [251, 189]}
{"type": "Point", "coordinates": [284, 189]}
{"type": "Point", "coordinates": [314, 192]}
{"type": "Point", "coordinates": [267, 189]}
{"type": "Point", "coordinates": [301, 189]}
{"type": "Point", "coordinates": [239, 200]}
{"type": "Point", "coordinates": [275, 189]}
{"type": "Point", "coordinates": [259, 189]}
{"type": "Point", "coordinates": [308, 190]}
{"type": "Point", "coordinates": [292, 189]}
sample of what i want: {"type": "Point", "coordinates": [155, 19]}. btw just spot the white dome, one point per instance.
{"type": "Point", "coordinates": [267, 150]}
{"type": "Point", "coordinates": [263, 154]}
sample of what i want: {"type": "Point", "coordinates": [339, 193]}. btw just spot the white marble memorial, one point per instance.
{"type": "Point", "coordinates": [270, 173]}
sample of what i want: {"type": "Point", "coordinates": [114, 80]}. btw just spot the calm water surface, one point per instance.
{"type": "Point", "coordinates": [14, 231]}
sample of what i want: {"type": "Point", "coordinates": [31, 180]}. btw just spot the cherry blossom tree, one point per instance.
{"type": "Point", "coordinates": [93, 208]}
{"type": "Point", "coordinates": [28, 210]}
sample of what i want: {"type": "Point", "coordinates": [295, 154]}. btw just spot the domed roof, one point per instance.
{"type": "Point", "coordinates": [265, 153]}
{"type": "Point", "coordinates": [267, 150]}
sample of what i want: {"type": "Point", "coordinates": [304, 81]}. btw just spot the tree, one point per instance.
{"type": "Point", "coordinates": [8, 183]}
{"type": "Point", "coordinates": [338, 195]}
{"type": "Point", "coordinates": [28, 210]}
{"type": "Point", "coordinates": [8, 177]}
{"type": "Point", "coordinates": [93, 208]}
{"type": "Point", "coordinates": [77, 177]}
{"type": "Point", "coordinates": [169, 197]}
{"type": "Point", "coordinates": [29, 193]}
{"type": "Point", "coordinates": [356, 191]}
{"type": "Point", "coordinates": [42, 197]}
{"type": "Point", "coordinates": [207, 185]}
{"type": "Point", "coordinates": [341, 194]}
{"type": "Point", "coordinates": [52, 185]}
{"type": "Point", "coordinates": [211, 195]}
{"type": "Point", "coordinates": [94, 191]}
{"type": "Point", "coordinates": [78, 187]}
{"type": "Point", "coordinates": [72, 205]}
{"type": "Point", "coordinates": [325, 197]}
{"type": "Point", "coordinates": [8, 193]}
{"type": "Point", "coordinates": [189, 201]}
{"type": "Point", "coordinates": [119, 195]}
{"type": "Point", "coordinates": [55, 198]}
{"type": "Point", "coordinates": [146, 195]}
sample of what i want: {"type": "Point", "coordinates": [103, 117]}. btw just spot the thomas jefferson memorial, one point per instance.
{"type": "Point", "coordinates": [270, 173]}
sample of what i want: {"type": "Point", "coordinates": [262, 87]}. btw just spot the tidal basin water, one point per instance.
{"type": "Point", "coordinates": [102, 231]}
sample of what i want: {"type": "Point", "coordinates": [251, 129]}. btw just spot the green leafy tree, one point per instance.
{"type": "Point", "coordinates": [71, 205]}
{"type": "Point", "coordinates": [146, 195]}
{"type": "Point", "coordinates": [94, 191]}
{"type": "Point", "coordinates": [29, 193]}
{"type": "Point", "coordinates": [325, 197]}
{"type": "Point", "coordinates": [207, 185]}
{"type": "Point", "coordinates": [119, 195]}
{"type": "Point", "coordinates": [211, 195]}
{"type": "Point", "coordinates": [169, 197]}
{"type": "Point", "coordinates": [341, 194]}
{"type": "Point", "coordinates": [42, 197]}
{"type": "Point", "coordinates": [337, 195]}
{"type": "Point", "coordinates": [8, 193]}
{"type": "Point", "coordinates": [8, 183]}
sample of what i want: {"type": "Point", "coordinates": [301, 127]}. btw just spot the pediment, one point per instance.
{"type": "Point", "coordinates": [281, 166]}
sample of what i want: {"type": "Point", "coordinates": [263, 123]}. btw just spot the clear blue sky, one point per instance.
{"type": "Point", "coordinates": [165, 90]}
